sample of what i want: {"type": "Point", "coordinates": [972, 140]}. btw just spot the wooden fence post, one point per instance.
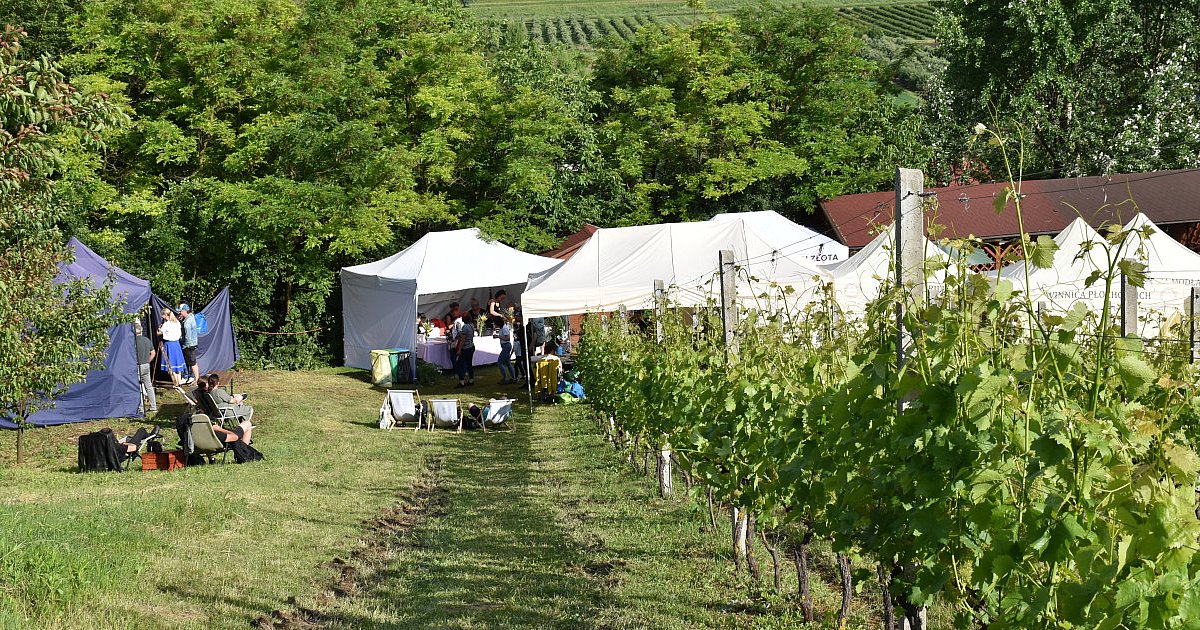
{"type": "Point", "coordinates": [665, 482]}
{"type": "Point", "coordinates": [910, 278]}
{"type": "Point", "coordinates": [1129, 323]}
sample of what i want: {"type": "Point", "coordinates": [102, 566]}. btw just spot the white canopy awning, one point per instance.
{"type": "Point", "coordinates": [618, 266]}
{"type": "Point", "coordinates": [1080, 253]}
{"type": "Point", "coordinates": [381, 299]}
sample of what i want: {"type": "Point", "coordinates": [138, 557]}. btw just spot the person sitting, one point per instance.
{"type": "Point", "coordinates": [133, 443]}
{"type": "Point", "coordinates": [225, 399]}
{"type": "Point", "coordinates": [241, 431]}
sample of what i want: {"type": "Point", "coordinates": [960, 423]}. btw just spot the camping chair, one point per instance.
{"type": "Point", "coordinates": [225, 414]}
{"type": "Point", "coordinates": [499, 414]}
{"type": "Point", "coordinates": [402, 405]}
{"type": "Point", "coordinates": [204, 439]}
{"type": "Point", "coordinates": [445, 414]}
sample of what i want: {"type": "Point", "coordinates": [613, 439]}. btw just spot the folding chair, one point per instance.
{"type": "Point", "coordinates": [402, 405]}
{"type": "Point", "coordinates": [499, 414]}
{"type": "Point", "coordinates": [225, 414]}
{"type": "Point", "coordinates": [445, 413]}
{"type": "Point", "coordinates": [204, 439]}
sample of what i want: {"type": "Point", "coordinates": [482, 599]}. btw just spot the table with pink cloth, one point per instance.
{"type": "Point", "coordinates": [433, 350]}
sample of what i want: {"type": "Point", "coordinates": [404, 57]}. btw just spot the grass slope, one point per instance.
{"type": "Point", "coordinates": [345, 526]}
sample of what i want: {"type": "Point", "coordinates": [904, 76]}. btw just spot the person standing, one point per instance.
{"type": "Point", "coordinates": [495, 312]}
{"type": "Point", "coordinates": [506, 347]}
{"type": "Point", "coordinates": [145, 356]}
{"type": "Point", "coordinates": [172, 355]}
{"type": "Point", "coordinates": [465, 354]}
{"type": "Point", "coordinates": [191, 339]}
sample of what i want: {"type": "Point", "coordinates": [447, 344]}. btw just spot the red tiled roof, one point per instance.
{"type": "Point", "coordinates": [572, 243]}
{"type": "Point", "coordinates": [1047, 206]}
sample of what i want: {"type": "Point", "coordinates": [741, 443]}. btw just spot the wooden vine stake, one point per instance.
{"type": "Point", "coordinates": [665, 486]}
{"type": "Point", "coordinates": [729, 321]}
{"type": "Point", "coordinates": [910, 278]}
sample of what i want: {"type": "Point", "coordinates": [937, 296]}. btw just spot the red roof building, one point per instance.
{"type": "Point", "coordinates": [1170, 198]}
{"type": "Point", "coordinates": [572, 243]}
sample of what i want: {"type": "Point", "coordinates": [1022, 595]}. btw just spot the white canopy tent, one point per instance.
{"type": "Point", "coordinates": [789, 237]}
{"type": "Point", "coordinates": [618, 266]}
{"type": "Point", "coordinates": [857, 280]}
{"type": "Point", "coordinates": [1081, 252]}
{"type": "Point", "coordinates": [1172, 269]}
{"type": "Point", "coordinates": [380, 300]}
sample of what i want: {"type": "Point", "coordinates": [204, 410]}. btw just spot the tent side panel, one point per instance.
{"type": "Point", "coordinates": [113, 392]}
{"type": "Point", "coordinates": [217, 350]}
{"type": "Point", "coordinates": [375, 315]}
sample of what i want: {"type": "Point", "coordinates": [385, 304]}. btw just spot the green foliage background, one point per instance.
{"type": "Point", "coordinates": [273, 142]}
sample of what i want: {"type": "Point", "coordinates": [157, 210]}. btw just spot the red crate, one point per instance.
{"type": "Point", "coordinates": [168, 460]}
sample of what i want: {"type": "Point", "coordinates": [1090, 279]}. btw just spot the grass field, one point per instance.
{"type": "Point", "coordinates": [583, 22]}
{"type": "Point", "coordinates": [346, 526]}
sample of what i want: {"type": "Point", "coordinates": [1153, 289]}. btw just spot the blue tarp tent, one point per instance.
{"type": "Point", "coordinates": [112, 392]}
{"type": "Point", "coordinates": [115, 392]}
{"type": "Point", "coordinates": [218, 347]}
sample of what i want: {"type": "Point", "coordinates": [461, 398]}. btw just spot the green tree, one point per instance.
{"type": "Point", "coordinates": [275, 142]}
{"type": "Point", "coordinates": [50, 333]}
{"type": "Point", "coordinates": [771, 111]}
{"type": "Point", "coordinates": [1099, 85]}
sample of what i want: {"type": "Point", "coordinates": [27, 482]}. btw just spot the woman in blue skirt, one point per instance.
{"type": "Point", "coordinates": [172, 355]}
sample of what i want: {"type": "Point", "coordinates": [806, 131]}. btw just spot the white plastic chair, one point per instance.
{"type": "Point", "coordinates": [445, 413]}
{"type": "Point", "coordinates": [400, 405]}
{"type": "Point", "coordinates": [499, 414]}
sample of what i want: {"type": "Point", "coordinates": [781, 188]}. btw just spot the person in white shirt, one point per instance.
{"type": "Point", "coordinates": [172, 355]}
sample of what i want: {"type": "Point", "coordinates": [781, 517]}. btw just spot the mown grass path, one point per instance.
{"type": "Point", "coordinates": [545, 528]}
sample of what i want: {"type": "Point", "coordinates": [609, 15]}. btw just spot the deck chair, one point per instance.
{"type": "Point", "coordinates": [204, 440]}
{"type": "Point", "coordinates": [445, 413]}
{"type": "Point", "coordinates": [402, 405]}
{"type": "Point", "coordinates": [499, 415]}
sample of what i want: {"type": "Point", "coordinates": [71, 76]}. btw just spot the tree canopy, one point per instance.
{"type": "Point", "coordinates": [271, 142]}
{"type": "Point", "coordinates": [1098, 86]}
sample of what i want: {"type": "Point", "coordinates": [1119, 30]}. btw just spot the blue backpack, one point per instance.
{"type": "Point", "coordinates": [201, 323]}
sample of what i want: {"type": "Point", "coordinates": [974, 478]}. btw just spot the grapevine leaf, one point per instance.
{"type": "Point", "coordinates": [1075, 316]}
{"type": "Point", "coordinates": [1136, 374]}
{"type": "Point", "coordinates": [1041, 253]}
{"type": "Point", "coordinates": [1134, 271]}
{"type": "Point", "coordinates": [1004, 290]}
{"type": "Point", "coordinates": [999, 201]}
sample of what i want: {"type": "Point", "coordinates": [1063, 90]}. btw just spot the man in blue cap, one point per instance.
{"type": "Point", "coordinates": [191, 339]}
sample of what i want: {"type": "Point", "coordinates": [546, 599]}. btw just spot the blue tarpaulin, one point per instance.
{"type": "Point", "coordinates": [218, 348]}
{"type": "Point", "coordinates": [112, 392]}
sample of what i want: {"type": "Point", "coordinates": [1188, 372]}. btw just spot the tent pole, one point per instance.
{"type": "Point", "coordinates": [528, 364]}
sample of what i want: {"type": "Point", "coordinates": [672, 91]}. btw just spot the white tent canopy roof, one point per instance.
{"type": "Point", "coordinates": [380, 300]}
{"type": "Point", "coordinates": [856, 280]}
{"type": "Point", "coordinates": [790, 237]}
{"type": "Point", "coordinates": [1172, 270]}
{"type": "Point", "coordinates": [453, 261]}
{"type": "Point", "coordinates": [1081, 252]}
{"type": "Point", "coordinates": [618, 266]}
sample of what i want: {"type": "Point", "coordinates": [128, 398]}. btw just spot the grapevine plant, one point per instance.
{"type": "Point", "coordinates": [1028, 470]}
